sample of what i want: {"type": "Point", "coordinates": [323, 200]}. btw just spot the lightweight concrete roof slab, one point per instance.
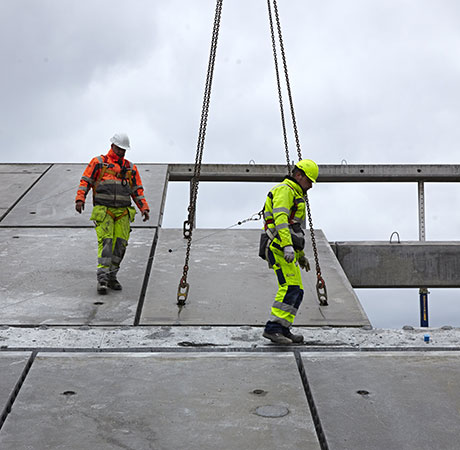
{"type": "Point", "coordinates": [51, 201]}
{"type": "Point", "coordinates": [49, 277]}
{"type": "Point", "coordinates": [231, 285]}
{"type": "Point", "coordinates": [15, 180]}
{"type": "Point", "coordinates": [387, 401]}
{"type": "Point", "coordinates": [12, 366]}
{"type": "Point", "coordinates": [203, 401]}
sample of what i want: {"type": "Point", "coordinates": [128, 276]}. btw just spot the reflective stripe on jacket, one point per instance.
{"type": "Point", "coordinates": [284, 206]}
{"type": "Point", "coordinates": [114, 182]}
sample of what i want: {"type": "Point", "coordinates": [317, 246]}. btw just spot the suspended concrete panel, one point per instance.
{"type": "Point", "coordinates": [49, 277]}
{"type": "Point", "coordinates": [387, 401]}
{"type": "Point", "coordinates": [51, 202]}
{"type": "Point", "coordinates": [407, 264]}
{"type": "Point", "coordinates": [12, 366]}
{"type": "Point", "coordinates": [231, 285]}
{"type": "Point", "coordinates": [15, 179]}
{"type": "Point", "coordinates": [163, 401]}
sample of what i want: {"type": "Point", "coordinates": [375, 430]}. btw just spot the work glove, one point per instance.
{"type": "Point", "coordinates": [79, 206]}
{"type": "Point", "coordinates": [304, 263]}
{"type": "Point", "coordinates": [146, 216]}
{"type": "Point", "coordinates": [289, 253]}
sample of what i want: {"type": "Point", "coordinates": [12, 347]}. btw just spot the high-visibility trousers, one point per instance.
{"type": "Point", "coordinates": [113, 227]}
{"type": "Point", "coordinates": [290, 288]}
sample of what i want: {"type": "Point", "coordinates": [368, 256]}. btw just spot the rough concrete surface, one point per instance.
{"type": "Point", "coordinates": [387, 401]}
{"type": "Point", "coordinates": [51, 202]}
{"type": "Point", "coordinates": [231, 285]}
{"type": "Point", "coordinates": [206, 379]}
{"type": "Point", "coordinates": [168, 401]}
{"type": "Point", "coordinates": [49, 277]}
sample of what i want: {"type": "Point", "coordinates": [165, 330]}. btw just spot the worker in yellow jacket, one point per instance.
{"type": "Point", "coordinates": [284, 212]}
{"type": "Point", "coordinates": [114, 181]}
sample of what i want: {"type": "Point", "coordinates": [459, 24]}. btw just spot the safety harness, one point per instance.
{"type": "Point", "coordinates": [126, 174]}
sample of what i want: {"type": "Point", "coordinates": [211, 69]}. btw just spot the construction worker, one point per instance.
{"type": "Point", "coordinates": [114, 181]}
{"type": "Point", "coordinates": [284, 212]}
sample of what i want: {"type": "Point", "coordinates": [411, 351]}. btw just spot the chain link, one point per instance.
{"type": "Point", "coordinates": [182, 291]}
{"type": "Point", "coordinates": [286, 75]}
{"type": "Point", "coordinates": [320, 285]}
{"type": "Point", "coordinates": [278, 82]}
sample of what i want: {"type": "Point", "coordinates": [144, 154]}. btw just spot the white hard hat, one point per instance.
{"type": "Point", "coordinates": [121, 140]}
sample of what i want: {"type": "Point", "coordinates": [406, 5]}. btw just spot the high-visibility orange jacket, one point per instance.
{"type": "Point", "coordinates": [114, 182]}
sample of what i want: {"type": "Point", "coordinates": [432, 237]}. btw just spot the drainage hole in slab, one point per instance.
{"type": "Point", "coordinates": [98, 303]}
{"type": "Point", "coordinates": [363, 392]}
{"type": "Point", "coordinates": [259, 392]}
{"type": "Point", "coordinates": [69, 393]}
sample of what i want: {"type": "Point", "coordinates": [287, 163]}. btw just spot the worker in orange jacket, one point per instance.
{"type": "Point", "coordinates": [114, 181]}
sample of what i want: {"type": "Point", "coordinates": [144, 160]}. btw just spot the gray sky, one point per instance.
{"type": "Point", "coordinates": [374, 81]}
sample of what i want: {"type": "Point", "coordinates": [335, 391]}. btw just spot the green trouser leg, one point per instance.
{"type": "Point", "coordinates": [112, 237]}
{"type": "Point", "coordinates": [290, 290]}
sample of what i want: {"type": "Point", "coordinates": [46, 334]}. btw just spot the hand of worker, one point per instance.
{"type": "Point", "coordinates": [79, 206]}
{"type": "Point", "coordinates": [304, 263]}
{"type": "Point", "coordinates": [146, 216]}
{"type": "Point", "coordinates": [289, 253]}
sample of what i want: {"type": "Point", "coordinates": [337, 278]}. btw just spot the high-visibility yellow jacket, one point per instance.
{"type": "Point", "coordinates": [284, 211]}
{"type": "Point", "coordinates": [114, 182]}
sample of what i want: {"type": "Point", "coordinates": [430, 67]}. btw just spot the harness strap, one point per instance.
{"type": "Point", "coordinates": [128, 175]}
{"type": "Point", "coordinates": [112, 215]}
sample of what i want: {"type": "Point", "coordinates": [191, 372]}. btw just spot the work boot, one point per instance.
{"type": "Point", "coordinates": [115, 285]}
{"type": "Point", "coordinates": [102, 287]}
{"type": "Point", "coordinates": [277, 338]}
{"type": "Point", "coordinates": [295, 338]}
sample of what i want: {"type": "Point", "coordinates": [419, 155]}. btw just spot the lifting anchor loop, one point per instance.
{"type": "Point", "coordinates": [182, 293]}
{"type": "Point", "coordinates": [321, 291]}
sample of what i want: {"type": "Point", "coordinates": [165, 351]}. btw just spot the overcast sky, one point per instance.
{"type": "Point", "coordinates": [374, 81]}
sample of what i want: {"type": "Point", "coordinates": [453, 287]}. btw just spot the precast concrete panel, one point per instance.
{"type": "Point", "coordinates": [48, 276]}
{"type": "Point", "coordinates": [51, 202]}
{"type": "Point", "coordinates": [12, 366]}
{"type": "Point", "coordinates": [15, 179]}
{"type": "Point", "coordinates": [231, 285]}
{"type": "Point", "coordinates": [387, 400]}
{"type": "Point", "coordinates": [406, 265]}
{"type": "Point", "coordinates": [203, 401]}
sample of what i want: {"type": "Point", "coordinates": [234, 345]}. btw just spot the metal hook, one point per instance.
{"type": "Point", "coordinates": [391, 237]}
{"type": "Point", "coordinates": [251, 161]}
{"type": "Point", "coordinates": [344, 162]}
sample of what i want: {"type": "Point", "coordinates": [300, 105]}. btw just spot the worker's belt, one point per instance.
{"type": "Point", "coordinates": [112, 215]}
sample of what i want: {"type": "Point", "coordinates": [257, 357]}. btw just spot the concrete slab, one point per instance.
{"type": "Point", "coordinates": [405, 265]}
{"type": "Point", "coordinates": [165, 401]}
{"type": "Point", "coordinates": [51, 202]}
{"type": "Point", "coordinates": [231, 285]}
{"type": "Point", "coordinates": [387, 401]}
{"type": "Point", "coordinates": [15, 179]}
{"type": "Point", "coordinates": [50, 278]}
{"type": "Point", "coordinates": [11, 367]}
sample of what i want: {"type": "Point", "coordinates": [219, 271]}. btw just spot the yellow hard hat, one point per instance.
{"type": "Point", "coordinates": [309, 168]}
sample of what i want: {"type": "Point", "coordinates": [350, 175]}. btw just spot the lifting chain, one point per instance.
{"type": "Point", "coordinates": [182, 291]}
{"type": "Point", "coordinates": [320, 284]}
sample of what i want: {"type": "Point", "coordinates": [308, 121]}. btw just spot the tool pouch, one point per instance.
{"type": "Point", "coordinates": [132, 213]}
{"type": "Point", "coordinates": [99, 213]}
{"type": "Point", "coordinates": [263, 244]}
